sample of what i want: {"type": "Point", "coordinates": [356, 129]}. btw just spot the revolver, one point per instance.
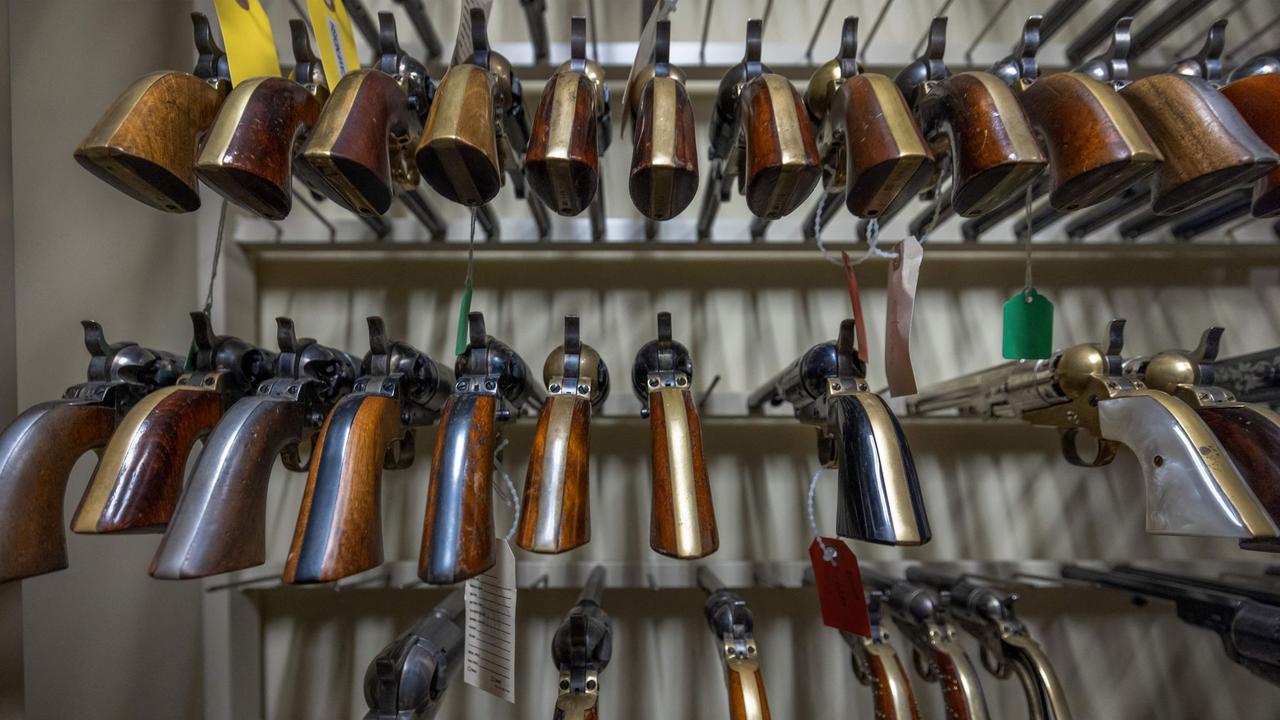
{"type": "Point", "coordinates": [407, 680]}
{"type": "Point", "coordinates": [733, 626]}
{"type": "Point", "coordinates": [664, 158]}
{"type": "Point", "coordinates": [1254, 90]}
{"type": "Point", "coordinates": [876, 665]}
{"type": "Point", "coordinates": [581, 649]}
{"type": "Point", "coordinates": [40, 447]}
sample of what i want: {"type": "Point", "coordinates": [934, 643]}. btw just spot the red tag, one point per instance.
{"type": "Point", "coordinates": [844, 607]}
{"type": "Point", "coordinates": [856, 301]}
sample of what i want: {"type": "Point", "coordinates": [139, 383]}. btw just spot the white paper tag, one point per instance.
{"type": "Point", "coordinates": [904, 273]}
{"type": "Point", "coordinates": [491, 627]}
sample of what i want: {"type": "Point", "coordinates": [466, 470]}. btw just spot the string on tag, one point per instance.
{"type": "Point", "coordinates": [465, 309]}
{"type": "Point", "coordinates": [509, 498]}
{"type": "Point", "coordinates": [1026, 279]}
{"type": "Point", "coordinates": [873, 250]}
{"type": "Point", "coordinates": [828, 553]}
{"type": "Point", "coordinates": [937, 207]}
{"type": "Point", "coordinates": [213, 276]}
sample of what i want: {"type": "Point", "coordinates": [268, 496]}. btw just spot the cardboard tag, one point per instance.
{"type": "Point", "coordinates": [332, 28]}
{"type": "Point", "coordinates": [904, 274]}
{"type": "Point", "coordinates": [1028, 326]}
{"type": "Point", "coordinates": [844, 606]}
{"type": "Point", "coordinates": [491, 627]}
{"type": "Point", "coordinates": [855, 301]}
{"type": "Point", "coordinates": [246, 34]}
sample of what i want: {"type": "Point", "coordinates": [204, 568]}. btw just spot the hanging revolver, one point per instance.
{"type": "Point", "coordinates": [408, 679]}
{"type": "Point", "coordinates": [581, 649]}
{"type": "Point", "coordinates": [876, 665]}
{"type": "Point", "coordinates": [664, 157]}
{"type": "Point", "coordinates": [733, 626]}
{"type": "Point", "coordinates": [1254, 90]}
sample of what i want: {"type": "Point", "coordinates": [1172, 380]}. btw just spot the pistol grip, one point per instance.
{"type": "Point", "coordinates": [458, 155]}
{"type": "Point", "coordinates": [878, 493]}
{"type": "Point", "coordinates": [146, 142]}
{"type": "Point", "coordinates": [887, 156]}
{"type": "Point", "coordinates": [37, 452]}
{"type": "Point", "coordinates": [994, 151]}
{"type": "Point", "coordinates": [1096, 145]}
{"type": "Point", "coordinates": [562, 163]}
{"type": "Point", "coordinates": [1251, 437]}
{"type": "Point", "coordinates": [557, 501]}
{"type": "Point", "coordinates": [890, 687]}
{"type": "Point", "coordinates": [782, 164]}
{"type": "Point", "coordinates": [747, 700]}
{"type": "Point", "coordinates": [249, 154]}
{"type": "Point", "coordinates": [682, 520]}
{"type": "Point", "coordinates": [339, 529]}
{"type": "Point", "coordinates": [1208, 147]}
{"type": "Point", "coordinates": [664, 160]}
{"type": "Point", "coordinates": [591, 713]}
{"type": "Point", "coordinates": [1256, 98]}
{"type": "Point", "coordinates": [1193, 488]}
{"type": "Point", "coordinates": [138, 481]}
{"type": "Point", "coordinates": [1045, 695]}
{"type": "Point", "coordinates": [961, 689]}
{"type": "Point", "coordinates": [220, 523]}
{"type": "Point", "coordinates": [457, 532]}
{"type": "Point", "coordinates": [348, 154]}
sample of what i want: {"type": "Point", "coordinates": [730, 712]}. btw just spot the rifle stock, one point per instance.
{"type": "Point", "coordinates": [1256, 98]}
{"type": "Point", "coordinates": [781, 159]}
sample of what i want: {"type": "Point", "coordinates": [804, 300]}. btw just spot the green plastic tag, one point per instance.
{"type": "Point", "coordinates": [1028, 326]}
{"type": "Point", "coordinates": [463, 313]}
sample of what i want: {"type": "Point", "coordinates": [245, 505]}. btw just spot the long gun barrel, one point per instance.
{"type": "Point", "coordinates": [408, 679]}
{"type": "Point", "coordinates": [1254, 377]}
{"type": "Point", "coordinates": [581, 649]}
{"type": "Point", "coordinates": [876, 665]}
{"type": "Point", "coordinates": [733, 625]}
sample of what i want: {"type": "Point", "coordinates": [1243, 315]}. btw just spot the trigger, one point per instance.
{"type": "Point", "coordinates": [400, 453]}
{"type": "Point", "coordinates": [1107, 450]}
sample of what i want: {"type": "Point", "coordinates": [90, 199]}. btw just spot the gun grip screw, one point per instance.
{"type": "Point", "coordinates": [208, 381]}
{"type": "Point", "coordinates": [1158, 460]}
{"type": "Point", "coordinates": [490, 385]}
{"type": "Point", "coordinates": [554, 387]}
{"type": "Point", "coordinates": [591, 684]}
{"type": "Point", "coordinates": [564, 684]}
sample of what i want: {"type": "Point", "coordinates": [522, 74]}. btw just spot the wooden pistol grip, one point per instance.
{"type": "Point", "coordinates": [664, 160]}
{"type": "Point", "coordinates": [1096, 145]}
{"type": "Point", "coordinates": [339, 530]}
{"type": "Point", "coordinates": [1251, 438]}
{"type": "Point", "coordinates": [878, 497]}
{"type": "Point", "coordinates": [1208, 147]}
{"type": "Point", "coordinates": [961, 690]}
{"type": "Point", "coordinates": [891, 694]}
{"type": "Point", "coordinates": [782, 163]}
{"type": "Point", "coordinates": [1256, 98]}
{"type": "Point", "coordinates": [220, 523]}
{"type": "Point", "coordinates": [557, 501]}
{"type": "Point", "coordinates": [591, 713]}
{"type": "Point", "coordinates": [249, 154]}
{"type": "Point", "coordinates": [348, 154]}
{"type": "Point", "coordinates": [458, 155]}
{"type": "Point", "coordinates": [457, 532]}
{"type": "Point", "coordinates": [994, 151]}
{"type": "Point", "coordinates": [37, 452]}
{"type": "Point", "coordinates": [562, 163]}
{"type": "Point", "coordinates": [138, 481]}
{"type": "Point", "coordinates": [682, 520]}
{"type": "Point", "coordinates": [747, 700]}
{"type": "Point", "coordinates": [887, 156]}
{"type": "Point", "coordinates": [145, 144]}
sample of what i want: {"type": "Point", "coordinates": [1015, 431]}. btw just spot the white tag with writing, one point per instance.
{"type": "Point", "coordinates": [491, 627]}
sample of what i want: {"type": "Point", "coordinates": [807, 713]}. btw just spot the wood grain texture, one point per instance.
{"type": "Point", "coordinates": [1208, 147]}
{"type": "Point", "coordinates": [682, 519]}
{"type": "Point", "coordinates": [556, 506]}
{"type": "Point", "coordinates": [891, 694]}
{"type": "Point", "coordinates": [562, 163]}
{"type": "Point", "coordinates": [782, 163]}
{"type": "Point", "coordinates": [457, 531]}
{"type": "Point", "coordinates": [348, 155]}
{"type": "Point", "coordinates": [220, 523]}
{"type": "Point", "coordinates": [1257, 98]}
{"type": "Point", "coordinates": [249, 154]}
{"type": "Point", "coordinates": [138, 481]}
{"type": "Point", "coordinates": [887, 156]}
{"type": "Point", "coordinates": [458, 154]}
{"type": "Point", "coordinates": [958, 701]}
{"type": "Point", "coordinates": [339, 529]}
{"type": "Point", "coordinates": [747, 700]}
{"type": "Point", "coordinates": [1096, 145]}
{"type": "Point", "coordinates": [145, 144]}
{"type": "Point", "coordinates": [664, 160]}
{"type": "Point", "coordinates": [37, 452]}
{"type": "Point", "coordinates": [1253, 443]}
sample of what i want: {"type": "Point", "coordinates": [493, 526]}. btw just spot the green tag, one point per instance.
{"type": "Point", "coordinates": [463, 313]}
{"type": "Point", "coordinates": [1028, 326]}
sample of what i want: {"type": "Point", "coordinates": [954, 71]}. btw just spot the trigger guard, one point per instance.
{"type": "Point", "coordinates": [291, 457]}
{"type": "Point", "coordinates": [924, 668]}
{"type": "Point", "coordinates": [993, 661]}
{"type": "Point", "coordinates": [400, 454]}
{"type": "Point", "coordinates": [1107, 450]}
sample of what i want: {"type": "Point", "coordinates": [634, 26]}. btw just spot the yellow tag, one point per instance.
{"type": "Point", "coordinates": [332, 27]}
{"type": "Point", "coordinates": [246, 33]}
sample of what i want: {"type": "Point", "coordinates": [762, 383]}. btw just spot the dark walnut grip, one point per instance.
{"type": "Point", "coordinates": [1257, 99]}
{"type": "Point", "coordinates": [557, 503]}
{"type": "Point", "coordinates": [562, 163]}
{"type": "Point", "coordinates": [458, 155]}
{"type": "Point", "coordinates": [250, 149]}
{"type": "Point", "coordinates": [457, 532]}
{"type": "Point", "coordinates": [1252, 440]}
{"type": "Point", "coordinates": [887, 157]}
{"type": "Point", "coordinates": [878, 493]}
{"type": "Point", "coordinates": [1208, 147]}
{"type": "Point", "coordinates": [221, 521]}
{"type": "Point", "coordinates": [1096, 145]}
{"type": "Point", "coordinates": [138, 481]}
{"type": "Point", "coordinates": [339, 530]}
{"type": "Point", "coordinates": [782, 163]}
{"type": "Point", "coordinates": [145, 144]}
{"type": "Point", "coordinates": [747, 699]}
{"type": "Point", "coordinates": [348, 155]}
{"type": "Point", "coordinates": [37, 452]}
{"type": "Point", "coordinates": [682, 520]}
{"type": "Point", "coordinates": [664, 161]}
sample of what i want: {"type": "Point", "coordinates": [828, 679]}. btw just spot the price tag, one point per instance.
{"type": "Point", "coordinates": [1028, 326]}
{"type": "Point", "coordinates": [844, 606]}
{"type": "Point", "coordinates": [491, 627]}
{"type": "Point", "coordinates": [246, 33]}
{"type": "Point", "coordinates": [855, 301]}
{"type": "Point", "coordinates": [904, 274]}
{"type": "Point", "coordinates": [332, 28]}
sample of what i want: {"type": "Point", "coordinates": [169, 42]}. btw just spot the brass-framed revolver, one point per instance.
{"type": "Point", "coordinates": [493, 386]}
{"type": "Point", "coordinates": [1254, 90]}
{"type": "Point", "coordinates": [408, 678]}
{"type": "Point", "coordinates": [339, 528]}
{"type": "Point", "coordinates": [879, 496]}
{"type": "Point", "coordinates": [136, 485]}
{"type": "Point", "coordinates": [581, 649]}
{"type": "Point", "coordinates": [145, 144]}
{"type": "Point", "coordinates": [876, 665]}
{"type": "Point", "coordinates": [664, 156]}
{"type": "Point", "coordinates": [220, 523]}
{"type": "Point", "coordinates": [733, 626]}
{"type": "Point", "coordinates": [40, 447]}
